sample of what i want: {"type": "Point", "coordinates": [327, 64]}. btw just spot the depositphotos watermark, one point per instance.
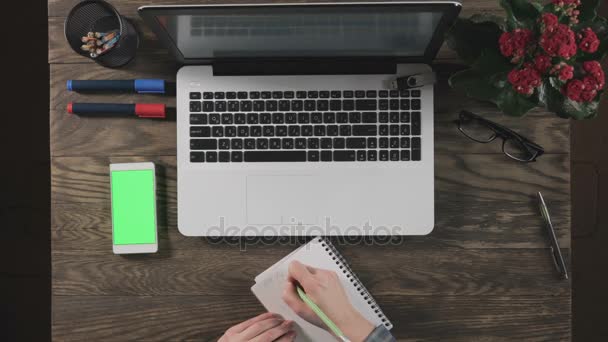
{"type": "Point", "coordinates": [298, 233]}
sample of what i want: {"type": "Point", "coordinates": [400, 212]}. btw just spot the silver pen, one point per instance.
{"type": "Point", "coordinates": [556, 253]}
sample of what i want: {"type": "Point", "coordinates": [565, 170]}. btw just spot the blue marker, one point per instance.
{"type": "Point", "coordinates": [143, 86]}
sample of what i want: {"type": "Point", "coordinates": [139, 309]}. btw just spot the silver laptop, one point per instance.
{"type": "Point", "coordinates": [287, 123]}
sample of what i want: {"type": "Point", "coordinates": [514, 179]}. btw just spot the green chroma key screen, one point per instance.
{"type": "Point", "coordinates": [133, 207]}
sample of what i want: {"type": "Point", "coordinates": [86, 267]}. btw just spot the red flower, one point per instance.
{"type": "Point", "coordinates": [550, 21]}
{"type": "Point", "coordinates": [590, 90]}
{"type": "Point", "coordinates": [594, 69]}
{"type": "Point", "coordinates": [525, 80]}
{"type": "Point", "coordinates": [566, 72]}
{"type": "Point", "coordinates": [514, 44]}
{"type": "Point", "coordinates": [562, 3]}
{"type": "Point", "coordinates": [574, 89]}
{"type": "Point", "coordinates": [559, 42]}
{"type": "Point", "coordinates": [542, 63]}
{"type": "Point", "coordinates": [588, 40]}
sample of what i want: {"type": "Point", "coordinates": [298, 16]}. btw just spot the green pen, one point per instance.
{"type": "Point", "coordinates": [330, 324]}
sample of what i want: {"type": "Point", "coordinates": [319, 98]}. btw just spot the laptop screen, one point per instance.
{"type": "Point", "coordinates": [302, 31]}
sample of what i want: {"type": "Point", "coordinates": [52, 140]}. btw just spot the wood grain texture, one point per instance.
{"type": "Point", "coordinates": [483, 274]}
{"type": "Point", "coordinates": [496, 206]}
{"type": "Point", "coordinates": [204, 318]}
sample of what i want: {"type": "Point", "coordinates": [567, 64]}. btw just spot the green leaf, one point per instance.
{"type": "Point", "coordinates": [492, 62]}
{"type": "Point", "coordinates": [520, 13]}
{"type": "Point", "coordinates": [588, 9]}
{"type": "Point", "coordinates": [515, 104]}
{"type": "Point", "coordinates": [459, 38]}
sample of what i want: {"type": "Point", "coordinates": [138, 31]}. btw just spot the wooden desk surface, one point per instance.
{"type": "Point", "coordinates": [484, 273]}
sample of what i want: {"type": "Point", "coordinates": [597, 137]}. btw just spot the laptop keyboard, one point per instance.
{"type": "Point", "coordinates": [305, 126]}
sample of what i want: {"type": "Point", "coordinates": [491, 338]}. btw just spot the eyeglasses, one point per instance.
{"type": "Point", "coordinates": [481, 130]}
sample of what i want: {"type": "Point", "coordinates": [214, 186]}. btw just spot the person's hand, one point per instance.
{"type": "Point", "coordinates": [267, 327]}
{"type": "Point", "coordinates": [325, 290]}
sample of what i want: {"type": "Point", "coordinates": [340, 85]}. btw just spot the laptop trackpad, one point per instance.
{"type": "Point", "coordinates": [282, 199]}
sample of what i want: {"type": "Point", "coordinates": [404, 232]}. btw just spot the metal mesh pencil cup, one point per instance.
{"type": "Point", "coordinates": [99, 16]}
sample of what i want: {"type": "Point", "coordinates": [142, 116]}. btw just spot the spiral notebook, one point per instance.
{"type": "Point", "coordinates": [319, 253]}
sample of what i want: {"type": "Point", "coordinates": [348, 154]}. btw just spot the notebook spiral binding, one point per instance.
{"type": "Point", "coordinates": [345, 267]}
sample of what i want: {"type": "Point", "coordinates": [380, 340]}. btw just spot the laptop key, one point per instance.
{"type": "Point", "coordinates": [383, 117]}
{"type": "Point", "coordinates": [326, 155]}
{"type": "Point", "coordinates": [303, 118]}
{"type": "Point", "coordinates": [198, 119]}
{"type": "Point", "coordinates": [405, 104]}
{"type": "Point", "coordinates": [416, 155]}
{"type": "Point", "coordinates": [243, 131]}
{"type": "Point", "coordinates": [307, 131]}
{"type": "Point", "coordinates": [272, 106]}
{"type": "Point", "coordinates": [383, 93]}
{"type": "Point", "coordinates": [345, 130]}
{"type": "Point", "coordinates": [300, 144]}
{"type": "Point", "coordinates": [275, 144]}
{"type": "Point", "coordinates": [393, 143]}
{"type": "Point", "coordinates": [335, 105]}
{"type": "Point", "coordinates": [297, 105]}
{"type": "Point", "coordinates": [262, 144]}
{"type": "Point", "coordinates": [249, 144]}
{"type": "Point", "coordinates": [258, 106]}
{"type": "Point", "coordinates": [383, 142]}
{"type": "Point", "coordinates": [415, 93]}
{"type": "Point", "coordinates": [383, 104]}
{"type": "Point", "coordinates": [284, 105]}
{"type": "Point", "coordinates": [344, 155]}
{"type": "Point", "coordinates": [195, 106]}
{"type": "Point", "coordinates": [287, 143]}
{"type": "Point", "coordinates": [383, 155]}
{"type": "Point", "coordinates": [405, 155]}
{"type": "Point", "coordinates": [224, 157]}
{"type": "Point", "coordinates": [255, 131]}
{"type": "Point", "coordinates": [405, 129]}
{"type": "Point", "coordinates": [369, 117]}
{"type": "Point", "coordinates": [372, 142]}
{"type": "Point", "coordinates": [197, 157]}
{"type": "Point", "coordinates": [227, 119]}
{"type": "Point", "coordinates": [231, 95]}
{"type": "Point", "coordinates": [372, 155]}
{"type": "Point", "coordinates": [355, 143]}
{"type": "Point", "coordinates": [275, 156]}
{"type": "Point", "coordinates": [319, 131]}
{"type": "Point", "coordinates": [208, 95]}
{"type": "Point", "coordinates": [291, 118]}
{"type": "Point", "coordinates": [277, 94]}
{"type": "Point", "coordinates": [354, 117]}
{"type": "Point", "coordinates": [404, 93]}
{"type": "Point", "coordinates": [348, 94]}
{"type": "Point", "coordinates": [394, 129]}
{"type": "Point", "coordinates": [195, 96]}
{"type": "Point", "coordinates": [329, 117]}
{"type": "Point", "coordinates": [326, 143]}
{"type": "Point", "coordinates": [214, 119]}
{"type": "Point", "coordinates": [332, 130]}
{"type": "Point", "coordinates": [236, 157]}
{"type": "Point", "coordinates": [313, 143]}
{"type": "Point", "coordinates": [371, 93]}
{"type": "Point", "coordinates": [246, 106]}
{"type": "Point", "coordinates": [211, 157]}
{"type": "Point", "coordinates": [241, 95]}
{"type": "Point", "coordinates": [316, 118]}
{"type": "Point", "coordinates": [220, 106]}
{"type": "Point", "coordinates": [310, 105]}
{"type": "Point", "coordinates": [266, 95]}
{"type": "Point", "coordinates": [416, 143]}
{"type": "Point", "coordinates": [239, 119]}
{"type": "Point", "coordinates": [366, 104]}
{"type": "Point", "coordinates": [405, 142]}
{"type": "Point", "coordinates": [394, 155]}
{"type": "Point", "coordinates": [265, 118]}
{"type": "Point", "coordinates": [359, 93]}
{"type": "Point", "coordinates": [365, 130]}
{"type": "Point", "coordinates": [405, 117]}
{"type": "Point", "coordinates": [339, 143]}
{"type": "Point", "coordinates": [361, 156]}
{"type": "Point", "coordinates": [416, 104]}
{"type": "Point", "coordinates": [342, 117]}
{"type": "Point", "coordinates": [218, 95]}
{"type": "Point", "coordinates": [300, 94]}
{"type": "Point", "coordinates": [289, 94]}
{"type": "Point", "coordinates": [278, 118]}
{"type": "Point", "coordinates": [294, 131]}
{"type": "Point", "coordinates": [254, 95]}
{"type": "Point", "coordinates": [394, 93]}
{"type": "Point", "coordinates": [322, 105]}
{"type": "Point", "coordinates": [230, 131]}
{"type": "Point", "coordinates": [313, 94]}
{"type": "Point", "coordinates": [268, 131]}
{"type": "Point", "coordinates": [217, 131]}
{"type": "Point", "coordinates": [348, 105]}
{"type": "Point", "coordinates": [416, 123]}
{"type": "Point", "coordinates": [281, 131]}
{"type": "Point", "coordinates": [236, 144]}
{"type": "Point", "coordinates": [336, 94]}
{"type": "Point", "coordinates": [313, 156]}
{"type": "Point", "coordinates": [324, 94]}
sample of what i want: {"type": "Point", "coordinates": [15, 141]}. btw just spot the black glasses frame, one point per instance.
{"type": "Point", "coordinates": [534, 150]}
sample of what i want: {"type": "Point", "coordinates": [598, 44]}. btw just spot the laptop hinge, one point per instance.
{"type": "Point", "coordinates": [302, 68]}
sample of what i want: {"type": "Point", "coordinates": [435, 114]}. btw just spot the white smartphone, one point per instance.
{"type": "Point", "coordinates": [133, 191]}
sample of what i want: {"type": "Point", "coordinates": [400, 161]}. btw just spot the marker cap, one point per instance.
{"type": "Point", "coordinates": [150, 86]}
{"type": "Point", "coordinates": [150, 110]}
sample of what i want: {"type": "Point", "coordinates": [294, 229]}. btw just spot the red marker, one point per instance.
{"type": "Point", "coordinates": [142, 110]}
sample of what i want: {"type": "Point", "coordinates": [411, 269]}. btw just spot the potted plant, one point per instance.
{"type": "Point", "coordinates": [539, 55]}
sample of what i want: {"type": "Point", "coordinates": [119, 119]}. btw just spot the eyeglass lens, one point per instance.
{"type": "Point", "coordinates": [516, 150]}
{"type": "Point", "coordinates": [477, 130]}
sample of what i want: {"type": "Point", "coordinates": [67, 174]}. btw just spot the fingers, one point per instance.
{"type": "Point", "coordinates": [291, 298]}
{"type": "Point", "coordinates": [244, 325]}
{"type": "Point", "coordinates": [258, 328]}
{"type": "Point", "coordinates": [274, 333]}
{"type": "Point", "coordinates": [289, 337]}
{"type": "Point", "coordinates": [300, 273]}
